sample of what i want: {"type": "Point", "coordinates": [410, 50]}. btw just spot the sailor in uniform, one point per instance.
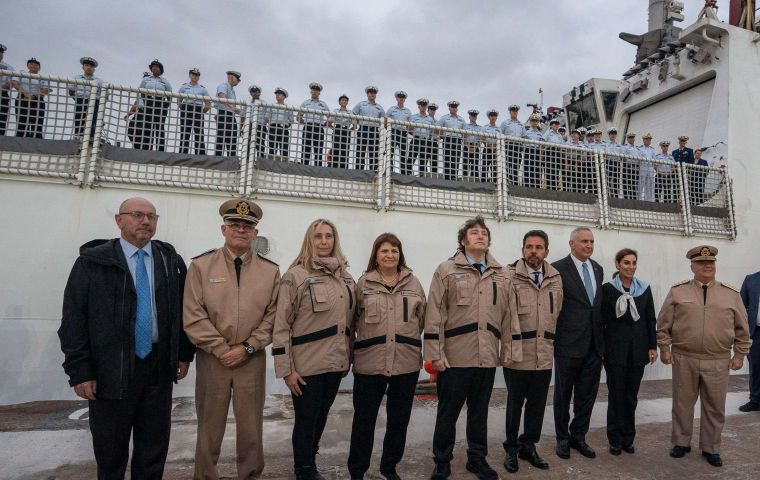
{"type": "Point", "coordinates": [452, 142]}
{"type": "Point", "coordinates": [647, 170]}
{"type": "Point", "coordinates": [261, 121]}
{"type": "Point", "coordinates": [665, 180]}
{"type": "Point", "coordinates": [226, 123]}
{"type": "Point", "coordinates": [191, 114]}
{"type": "Point", "coordinates": [313, 127]}
{"type": "Point", "coordinates": [81, 95]}
{"type": "Point", "coordinates": [341, 134]}
{"type": "Point", "coordinates": [399, 134]}
{"type": "Point", "coordinates": [533, 151]}
{"type": "Point", "coordinates": [630, 167]}
{"type": "Point", "coordinates": [490, 147]}
{"type": "Point", "coordinates": [512, 127]}
{"type": "Point", "coordinates": [279, 125]}
{"type": "Point", "coordinates": [368, 139]}
{"type": "Point", "coordinates": [5, 91]}
{"type": "Point", "coordinates": [553, 155]}
{"type": "Point", "coordinates": [421, 140]}
{"type": "Point", "coordinates": [30, 103]}
{"type": "Point", "coordinates": [472, 147]}
{"type": "Point", "coordinates": [154, 108]}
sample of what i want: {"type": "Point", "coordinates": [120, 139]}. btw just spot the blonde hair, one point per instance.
{"type": "Point", "coordinates": [308, 255]}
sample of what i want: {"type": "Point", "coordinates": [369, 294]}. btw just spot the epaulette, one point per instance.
{"type": "Point", "coordinates": [682, 282]}
{"type": "Point", "coordinates": [266, 259]}
{"type": "Point", "coordinates": [204, 253]}
{"type": "Point", "coordinates": [728, 285]}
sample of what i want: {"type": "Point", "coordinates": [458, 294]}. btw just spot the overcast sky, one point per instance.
{"type": "Point", "coordinates": [486, 54]}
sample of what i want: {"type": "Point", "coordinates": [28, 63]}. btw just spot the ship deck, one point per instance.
{"type": "Point", "coordinates": [51, 440]}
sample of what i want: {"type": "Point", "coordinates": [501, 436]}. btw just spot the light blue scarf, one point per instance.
{"type": "Point", "coordinates": [626, 299]}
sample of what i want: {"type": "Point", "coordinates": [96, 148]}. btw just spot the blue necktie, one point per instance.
{"type": "Point", "coordinates": [535, 279]}
{"type": "Point", "coordinates": [587, 283]}
{"type": "Point", "coordinates": [143, 319]}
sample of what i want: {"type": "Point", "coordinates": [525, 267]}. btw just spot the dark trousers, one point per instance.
{"type": "Point", "coordinates": [368, 394]}
{"type": "Point", "coordinates": [489, 170]}
{"type": "Point", "coordinates": [630, 180]}
{"type": "Point", "coordinates": [576, 379]}
{"type": "Point", "coordinates": [434, 155]}
{"type": "Point", "coordinates": [341, 146]}
{"type": "Point", "coordinates": [452, 151]}
{"type": "Point", "coordinates": [753, 359]}
{"type": "Point", "coordinates": [525, 389]}
{"type": "Point", "coordinates": [421, 150]}
{"type": "Point", "coordinates": [313, 142]}
{"type": "Point", "coordinates": [553, 162]}
{"type": "Point", "coordinates": [623, 383]}
{"type": "Point", "coordinates": [587, 175]}
{"type": "Point", "coordinates": [311, 410]}
{"type": "Point", "coordinates": [456, 386]}
{"type": "Point", "coordinates": [30, 115]}
{"type": "Point", "coordinates": [612, 166]}
{"type": "Point", "coordinates": [513, 152]}
{"type": "Point", "coordinates": [155, 111]}
{"type": "Point", "coordinates": [471, 161]}
{"type": "Point", "coordinates": [137, 131]}
{"type": "Point", "coordinates": [191, 124]}
{"type": "Point", "coordinates": [399, 143]}
{"type": "Point", "coordinates": [226, 134]}
{"type": "Point", "coordinates": [261, 140]}
{"type": "Point", "coordinates": [80, 117]}
{"type": "Point", "coordinates": [5, 106]}
{"type": "Point", "coordinates": [367, 145]}
{"type": "Point", "coordinates": [697, 180]}
{"type": "Point", "coordinates": [279, 139]}
{"type": "Point", "coordinates": [665, 187]}
{"type": "Point", "coordinates": [145, 414]}
{"type": "Point", "coordinates": [532, 167]}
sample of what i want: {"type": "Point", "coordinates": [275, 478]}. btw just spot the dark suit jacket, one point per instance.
{"type": "Point", "coordinates": [579, 323]}
{"type": "Point", "coordinates": [750, 293]}
{"type": "Point", "coordinates": [683, 156]}
{"type": "Point", "coordinates": [627, 342]}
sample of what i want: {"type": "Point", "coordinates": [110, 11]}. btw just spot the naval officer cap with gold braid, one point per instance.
{"type": "Point", "coordinates": [239, 209]}
{"type": "Point", "coordinates": [702, 252]}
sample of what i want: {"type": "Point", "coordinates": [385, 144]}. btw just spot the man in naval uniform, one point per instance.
{"type": "Point", "coordinates": [399, 133]}
{"type": "Point", "coordinates": [701, 321]}
{"type": "Point", "coordinates": [683, 154]}
{"type": "Point", "coordinates": [368, 137]}
{"type": "Point", "coordinates": [81, 95]}
{"type": "Point", "coordinates": [229, 306]}
{"type": "Point", "coordinates": [191, 114]}
{"type": "Point", "coordinates": [313, 126]}
{"type": "Point", "coordinates": [452, 142]}
{"type": "Point", "coordinates": [512, 127]}
{"type": "Point", "coordinates": [226, 124]}
{"type": "Point", "coordinates": [5, 91]}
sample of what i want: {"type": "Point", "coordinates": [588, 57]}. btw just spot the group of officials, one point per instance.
{"type": "Point", "coordinates": [469, 156]}
{"type": "Point", "coordinates": [133, 319]}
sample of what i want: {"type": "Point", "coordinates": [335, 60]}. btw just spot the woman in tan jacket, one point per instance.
{"type": "Point", "coordinates": [387, 354]}
{"type": "Point", "coordinates": [311, 348]}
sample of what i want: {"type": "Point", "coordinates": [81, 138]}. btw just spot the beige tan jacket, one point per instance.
{"type": "Point", "coordinates": [388, 326]}
{"type": "Point", "coordinates": [466, 313]}
{"type": "Point", "coordinates": [217, 313]}
{"type": "Point", "coordinates": [530, 344]}
{"type": "Point", "coordinates": [315, 309]}
{"type": "Point", "coordinates": [688, 326]}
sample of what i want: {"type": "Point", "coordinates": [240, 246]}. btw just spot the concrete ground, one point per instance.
{"type": "Point", "coordinates": [50, 440]}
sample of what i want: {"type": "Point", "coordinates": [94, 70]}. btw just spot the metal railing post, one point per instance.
{"type": "Point", "coordinates": [731, 207]}
{"type": "Point", "coordinates": [685, 199]}
{"type": "Point", "coordinates": [601, 172]}
{"type": "Point", "coordinates": [245, 159]}
{"type": "Point", "coordinates": [84, 152]}
{"type": "Point", "coordinates": [502, 190]}
{"type": "Point", "coordinates": [385, 164]}
{"type": "Point", "coordinates": [89, 173]}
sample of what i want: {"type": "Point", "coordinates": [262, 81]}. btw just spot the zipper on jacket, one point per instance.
{"type": "Point", "coordinates": [350, 298]}
{"type": "Point", "coordinates": [494, 292]}
{"type": "Point", "coordinates": [551, 302]}
{"type": "Point", "coordinates": [406, 309]}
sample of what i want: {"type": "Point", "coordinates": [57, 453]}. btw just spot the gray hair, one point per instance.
{"type": "Point", "coordinates": [578, 230]}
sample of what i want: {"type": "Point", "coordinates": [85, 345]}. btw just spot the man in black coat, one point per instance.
{"type": "Point", "coordinates": [578, 345]}
{"type": "Point", "coordinates": [123, 341]}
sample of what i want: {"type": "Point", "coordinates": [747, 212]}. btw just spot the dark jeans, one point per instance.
{"type": "Point", "coordinates": [623, 383]}
{"type": "Point", "coordinates": [367, 145]}
{"type": "Point", "coordinates": [341, 146]}
{"type": "Point", "coordinates": [399, 143]}
{"type": "Point", "coordinates": [525, 389]}
{"type": "Point", "coordinates": [80, 117]}
{"type": "Point", "coordinates": [532, 167]}
{"type": "Point", "coordinates": [191, 123]}
{"type": "Point", "coordinates": [145, 414]}
{"type": "Point", "coordinates": [576, 379]}
{"type": "Point", "coordinates": [753, 359]}
{"type": "Point", "coordinates": [313, 142]}
{"type": "Point", "coordinates": [226, 134]}
{"type": "Point", "coordinates": [456, 386]}
{"type": "Point", "coordinates": [513, 152]}
{"type": "Point", "coordinates": [279, 139]}
{"type": "Point", "coordinates": [452, 151]}
{"type": "Point", "coordinates": [5, 106]}
{"type": "Point", "coordinates": [30, 114]}
{"type": "Point", "coordinates": [368, 394]}
{"type": "Point", "coordinates": [421, 150]}
{"type": "Point", "coordinates": [311, 410]}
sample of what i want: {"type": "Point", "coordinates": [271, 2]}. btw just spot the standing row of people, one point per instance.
{"type": "Point", "coordinates": [528, 318]}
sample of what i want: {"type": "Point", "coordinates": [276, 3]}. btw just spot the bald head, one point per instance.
{"type": "Point", "coordinates": [133, 203]}
{"type": "Point", "coordinates": [137, 221]}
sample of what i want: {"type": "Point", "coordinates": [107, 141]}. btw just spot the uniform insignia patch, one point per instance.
{"type": "Point", "coordinates": [217, 280]}
{"type": "Point", "coordinates": [204, 253]}
{"type": "Point", "coordinates": [682, 282]}
{"type": "Point", "coordinates": [728, 285]}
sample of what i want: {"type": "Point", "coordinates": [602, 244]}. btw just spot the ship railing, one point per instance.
{"type": "Point", "coordinates": [43, 135]}
{"type": "Point", "coordinates": [710, 200]}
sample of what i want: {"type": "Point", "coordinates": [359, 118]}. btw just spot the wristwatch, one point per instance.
{"type": "Point", "coordinates": [248, 348]}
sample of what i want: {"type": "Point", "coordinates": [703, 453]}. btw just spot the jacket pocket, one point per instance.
{"type": "Point", "coordinates": [524, 301]}
{"type": "Point", "coordinates": [320, 297]}
{"type": "Point", "coordinates": [464, 290]}
{"type": "Point", "coordinates": [371, 309]}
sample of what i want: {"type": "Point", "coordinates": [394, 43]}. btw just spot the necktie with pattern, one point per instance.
{"type": "Point", "coordinates": [143, 318]}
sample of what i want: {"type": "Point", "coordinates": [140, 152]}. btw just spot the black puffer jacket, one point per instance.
{"type": "Point", "coordinates": [98, 324]}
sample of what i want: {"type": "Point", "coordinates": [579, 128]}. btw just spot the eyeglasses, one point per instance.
{"type": "Point", "coordinates": [241, 227]}
{"type": "Point", "coordinates": [152, 217]}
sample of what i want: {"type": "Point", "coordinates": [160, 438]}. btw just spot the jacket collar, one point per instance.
{"type": "Point", "coordinates": [461, 260]}
{"type": "Point", "coordinates": [374, 276]}
{"type": "Point", "coordinates": [547, 269]}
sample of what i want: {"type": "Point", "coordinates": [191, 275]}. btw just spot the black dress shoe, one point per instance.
{"type": "Point", "coordinates": [531, 455]}
{"type": "Point", "coordinates": [481, 469]}
{"type": "Point", "coordinates": [713, 459]}
{"type": "Point", "coordinates": [563, 449]}
{"type": "Point", "coordinates": [615, 450]}
{"type": "Point", "coordinates": [750, 407]}
{"type": "Point", "coordinates": [629, 448]}
{"type": "Point", "coordinates": [511, 463]}
{"type": "Point", "coordinates": [441, 471]}
{"type": "Point", "coordinates": [390, 476]}
{"type": "Point", "coordinates": [678, 451]}
{"type": "Point", "coordinates": [583, 448]}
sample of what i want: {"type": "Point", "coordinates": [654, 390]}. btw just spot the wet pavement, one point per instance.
{"type": "Point", "coordinates": [51, 440]}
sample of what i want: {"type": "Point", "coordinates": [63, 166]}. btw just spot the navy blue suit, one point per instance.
{"type": "Point", "coordinates": [750, 293]}
{"type": "Point", "coordinates": [683, 155]}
